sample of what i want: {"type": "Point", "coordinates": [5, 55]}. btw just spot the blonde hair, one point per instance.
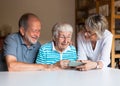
{"type": "Point", "coordinates": [97, 23]}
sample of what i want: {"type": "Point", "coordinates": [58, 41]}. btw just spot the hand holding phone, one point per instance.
{"type": "Point", "coordinates": [75, 63]}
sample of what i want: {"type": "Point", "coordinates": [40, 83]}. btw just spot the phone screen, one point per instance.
{"type": "Point", "coordinates": [74, 63]}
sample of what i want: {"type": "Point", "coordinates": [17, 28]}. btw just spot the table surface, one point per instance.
{"type": "Point", "coordinates": [106, 77]}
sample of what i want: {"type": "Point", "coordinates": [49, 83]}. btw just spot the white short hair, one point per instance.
{"type": "Point", "coordinates": [64, 27]}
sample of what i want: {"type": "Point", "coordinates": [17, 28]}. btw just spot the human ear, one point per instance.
{"type": "Point", "coordinates": [22, 31]}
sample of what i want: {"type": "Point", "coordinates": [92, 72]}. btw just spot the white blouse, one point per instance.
{"type": "Point", "coordinates": [100, 53]}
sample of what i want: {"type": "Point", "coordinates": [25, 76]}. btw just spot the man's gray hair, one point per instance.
{"type": "Point", "coordinates": [61, 27]}
{"type": "Point", "coordinates": [23, 21]}
{"type": "Point", "coordinates": [97, 23]}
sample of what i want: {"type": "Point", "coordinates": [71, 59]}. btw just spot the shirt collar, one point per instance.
{"type": "Point", "coordinates": [21, 39]}
{"type": "Point", "coordinates": [23, 43]}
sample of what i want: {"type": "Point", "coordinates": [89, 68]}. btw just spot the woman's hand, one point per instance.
{"type": "Point", "coordinates": [63, 64]}
{"type": "Point", "coordinates": [88, 65]}
{"type": "Point", "coordinates": [53, 68]}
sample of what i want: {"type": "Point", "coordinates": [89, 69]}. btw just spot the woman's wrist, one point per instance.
{"type": "Point", "coordinates": [99, 65]}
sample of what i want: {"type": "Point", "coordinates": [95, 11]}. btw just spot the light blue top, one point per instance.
{"type": "Point", "coordinates": [14, 45]}
{"type": "Point", "coordinates": [49, 55]}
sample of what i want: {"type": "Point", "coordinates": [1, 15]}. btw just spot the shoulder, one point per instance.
{"type": "Point", "coordinates": [38, 44]}
{"type": "Point", "coordinates": [107, 33]}
{"type": "Point", "coordinates": [47, 45]}
{"type": "Point", "coordinates": [72, 47]}
{"type": "Point", "coordinates": [107, 36]}
{"type": "Point", "coordinates": [80, 35]}
{"type": "Point", "coordinates": [12, 37]}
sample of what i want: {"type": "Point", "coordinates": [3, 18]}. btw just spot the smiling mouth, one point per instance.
{"type": "Point", "coordinates": [64, 44]}
{"type": "Point", "coordinates": [35, 38]}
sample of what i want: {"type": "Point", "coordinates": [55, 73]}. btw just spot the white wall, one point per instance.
{"type": "Point", "coordinates": [49, 11]}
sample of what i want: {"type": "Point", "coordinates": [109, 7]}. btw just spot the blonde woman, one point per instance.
{"type": "Point", "coordinates": [94, 43]}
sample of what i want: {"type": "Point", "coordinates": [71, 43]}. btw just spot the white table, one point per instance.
{"type": "Point", "coordinates": [107, 77]}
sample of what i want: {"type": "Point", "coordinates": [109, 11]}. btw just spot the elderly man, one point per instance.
{"type": "Point", "coordinates": [20, 49]}
{"type": "Point", "coordinates": [59, 51]}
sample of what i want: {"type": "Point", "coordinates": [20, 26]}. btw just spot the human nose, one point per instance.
{"type": "Point", "coordinates": [37, 33]}
{"type": "Point", "coordinates": [66, 39]}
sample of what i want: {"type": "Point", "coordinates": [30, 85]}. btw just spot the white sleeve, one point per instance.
{"type": "Point", "coordinates": [81, 48]}
{"type": "Point", "coordinates": [105, 55]}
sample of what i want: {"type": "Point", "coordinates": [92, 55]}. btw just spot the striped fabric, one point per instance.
{"type": "Point", "coordinates": [48, 55]}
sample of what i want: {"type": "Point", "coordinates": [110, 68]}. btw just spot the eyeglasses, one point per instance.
{"type": "Point", "coordinates": [63, 37]}
{"type": "Point", "coordinates": [89, 33]}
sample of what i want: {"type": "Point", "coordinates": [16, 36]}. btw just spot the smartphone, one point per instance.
{"type": "Point", "coordinates": [74, 64]}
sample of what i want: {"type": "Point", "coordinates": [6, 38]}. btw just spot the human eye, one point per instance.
{"type": "Point", "coordinates": [61, 37]}
{"type": "Point", "coordinates": [69, 37]}
{"type": "Point", "coordinates": [35, 30]}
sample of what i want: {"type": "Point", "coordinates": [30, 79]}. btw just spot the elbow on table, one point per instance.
{"type": "Point", "coordinates": [11, 67]}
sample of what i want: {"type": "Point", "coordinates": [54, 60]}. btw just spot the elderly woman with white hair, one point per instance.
{"type": "Point", "coordinates": [59, 51]}
{"type": "Point", "coordinates": [94, 43]}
